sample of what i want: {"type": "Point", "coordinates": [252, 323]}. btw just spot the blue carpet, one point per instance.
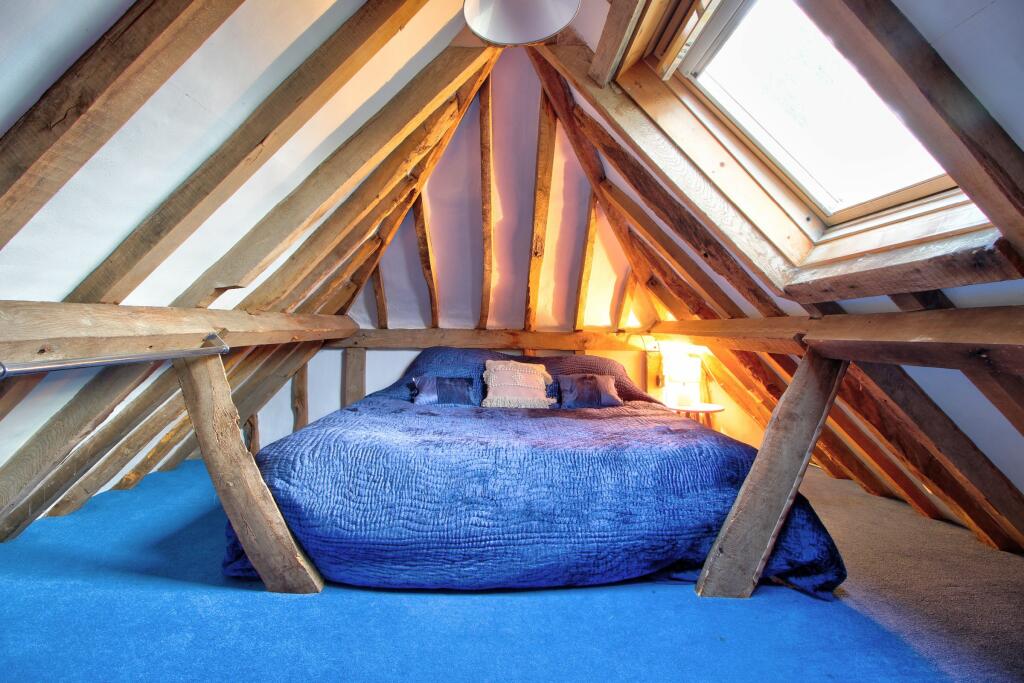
{"type": "Point", "coordinates": [129, 588]}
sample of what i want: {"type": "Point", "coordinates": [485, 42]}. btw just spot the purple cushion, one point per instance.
{"type": "Point", "coordinates": [447, 390]}
{"type": "Point", "coordinates": [588, 391]}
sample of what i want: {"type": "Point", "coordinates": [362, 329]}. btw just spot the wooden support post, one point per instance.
{"type": "Point", "coordinates": [419, 215]}
{"type": "Point", "coordinates": [586, 264]}
{"type": "Point", "coordinates": [353, 385]}
{"type": "Point", "coordinates": [541, 198]}
{"type": "Point", "coordinates": [734, 565]}
{"type": "Point", "coordinates": [380, 297]}
{"type": "Point", "coordinates": [486, 189]}
{"type": "Point", "coordinates": [300, 398]}
{"type": "Point", "coordinates": [278, 559]}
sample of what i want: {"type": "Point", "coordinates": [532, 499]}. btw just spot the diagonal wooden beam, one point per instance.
{"type": "Point", "coordinates": [739, 554]}
{"type": "Point", "coordinates": [380, 298]}
{"type": "Point", "coordinates": [381, 191]}
{"type": "Point", "coordinates": [419, 221]}
{"type": "Point", "coordinates": [586, 264]}
{"type": "Point", "coordinates": [262, 531]}
{"type": "Point", "coordinates": [682, 178]}
{"type": "Point", "coordinates": [486, 200]}
{"type": "Point", "coordinates": [94, 98]}
{"type": "Point", "coordinates": [256, 140]}
{"type": "Point", "coordinates": [546, 129]}
{"type": "Point", "coordinates": [621, 22]}
{"type": "Point", "coordinates": [684, 223]}
{"type": "Point", "coordinates": [116, 451]}
{"type": "Point", "coordinates": [1004, 390]}
{"type": "Point", "coordinates": [942, 112]}
{"type": "Point", "coordinates": [338, 175]}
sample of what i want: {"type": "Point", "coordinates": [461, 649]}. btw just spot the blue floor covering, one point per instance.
{"type": "Point", "coordinates": [129, 588]}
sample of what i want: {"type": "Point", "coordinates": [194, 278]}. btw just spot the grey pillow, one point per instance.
{"type": "Point", "coordinates": [588, 391]}
{"type": "Point", "coordinates": [444, 390]}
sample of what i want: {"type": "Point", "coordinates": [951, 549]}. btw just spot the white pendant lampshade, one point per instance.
{"type": "Point", "coordinates": [518, 22]}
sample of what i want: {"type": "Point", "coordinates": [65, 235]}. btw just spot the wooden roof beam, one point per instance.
{"type": "Point", "coordinates": [92, 100]}
{"type": "Point", "coordinates": [339, 174]}
{"type": "Point", "coordinates": [487, 339]}
{"type": "Point", "coordinates": [289, 107]}
{"type": "Point", "coordinates": [46, 331]}
{"type": "Point", "coordinates": [486, 199]}
{"type": "Point", "coordinates": [619, 26]}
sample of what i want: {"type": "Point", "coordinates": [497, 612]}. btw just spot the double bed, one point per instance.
{"type": "Point", "coordinates": [392, 494]}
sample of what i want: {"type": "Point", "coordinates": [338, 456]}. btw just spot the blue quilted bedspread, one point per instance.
{"type": "Point", "coordinates": [387, 493]}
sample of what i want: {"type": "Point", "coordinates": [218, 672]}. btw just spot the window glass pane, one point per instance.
{"type": "Point", "coordinates": [782, 81]}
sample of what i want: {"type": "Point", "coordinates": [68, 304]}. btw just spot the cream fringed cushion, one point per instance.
{"type": "Point", "coordinates": [516, 385]}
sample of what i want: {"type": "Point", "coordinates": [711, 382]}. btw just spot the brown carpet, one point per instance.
{"type": "Point", "coordinates": [957, 602]}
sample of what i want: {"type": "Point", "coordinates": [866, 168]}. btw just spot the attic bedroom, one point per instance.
{"type": "Point", "coordinates": [555, 340]}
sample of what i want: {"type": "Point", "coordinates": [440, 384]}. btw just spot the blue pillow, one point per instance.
{"type": "Point", "coordinates": [588, 391]}
{"type": "Point", "coordinates": [445, 390]}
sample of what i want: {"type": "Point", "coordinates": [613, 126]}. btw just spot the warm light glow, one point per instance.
{"type": "Point", "coordinates": [682, 367]}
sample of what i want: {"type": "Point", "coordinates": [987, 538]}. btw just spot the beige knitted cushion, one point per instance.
{"type": "Point", "coordinates": [516, 385]}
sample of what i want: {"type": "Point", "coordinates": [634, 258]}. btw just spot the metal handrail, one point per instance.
{"type": "Point", "coordinates": [213, 345]}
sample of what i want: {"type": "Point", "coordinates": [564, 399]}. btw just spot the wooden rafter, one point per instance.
{"type": "Point", "coordinates": [46, 449]}
{"type": "Point", "coordinates": [486, 199]}
{"type": "Point", "coordinates": [623, 16]}
{"type": "Point", "coordinates": [94, 98]}
{"type": "Point", "coordinates": [1004, 390]}
{"type": "Point", "coordinates": [339, 174]}
{"type": "Point", "coordinates": [943, 113]}
{"type": "Point", "coordinates": [419, 221]}
{"type": "Point", "coordinates": [743, 363]}
{"type": "Point", "coordinates": [264, 132]}
{"type": "Point", "coordinates": [541, 199]}
{"type": "Point", "coordinates": [380, 298]}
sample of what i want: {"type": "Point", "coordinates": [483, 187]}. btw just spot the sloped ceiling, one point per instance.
{"type": "Point", "coordinates": [233, 71]}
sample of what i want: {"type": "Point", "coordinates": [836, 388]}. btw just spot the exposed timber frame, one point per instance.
{"type": "Point", "coordinates": [739, 554]}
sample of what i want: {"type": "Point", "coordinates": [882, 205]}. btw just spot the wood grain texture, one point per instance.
{"type": "Point", "coordinates": [50, 445]}
{"type": "Point", "coordinates": [681, 177]}
{"type": "Point", "coordinates": [621, 22]}
{"type": "Point", "coordinates": [546, 128]}
{"type": "Point", "coordinates": [942, 112]}
{"type": "Point", "coordinates": [289, 107]}
{"type": "Point", "coordinates": [485, 339]}
{"type": "Point", "coordinates": [95, 97]}
{"type": "Point", "coordinates": [419, 221]}
{"type": "Point", "coordinates": [263, 533]}
{"type": "Point", "coordinates": [975, 258]}
{"type": "Point", "coordinates": [380, 298]}
{"type": "Point", "coordinates": [251, 434]}
{"type": "Point", "coordinates": [486, 200]}
{"type": "Point", "coordinates": [737, 558]}
{"type": "Point", "coordinates": [353, 381]}
{"type": "Point", "coordinates": [338, 175]}
{"type": "Point", "coordinates": [33, 331]}
{"type": "Point", "coordinates": [1004, 390]}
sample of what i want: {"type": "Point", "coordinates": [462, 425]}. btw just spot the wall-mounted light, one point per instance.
{"type": "Point", "coordinates": [683, 369]}
{"type": "Point", "coordinates": [518, 22]}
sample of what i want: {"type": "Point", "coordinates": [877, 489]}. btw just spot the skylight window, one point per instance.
{"type": "Point", "coordinates": [797, 98]}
